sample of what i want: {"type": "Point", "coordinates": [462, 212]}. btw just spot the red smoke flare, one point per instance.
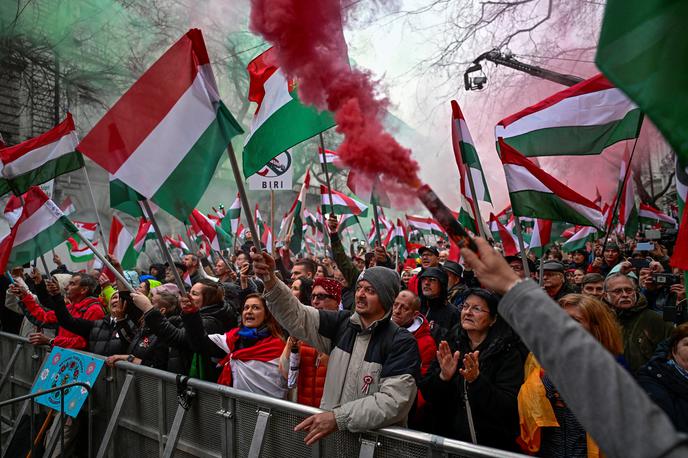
{"type": "Point", "coordinates": [311, 48]}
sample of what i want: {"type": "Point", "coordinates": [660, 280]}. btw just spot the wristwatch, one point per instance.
{"type": "Point", "coordinates": [51, 341]}
{"type": "Point", "coordinates": [130, 358]}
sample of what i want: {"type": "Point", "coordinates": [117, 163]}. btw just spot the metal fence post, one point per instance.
{"type": "Point", "coordinates": [173, 436]}
{"type": "Point", "coordinates": [259, 433]}
{"type": "Point", "coordinates": [112, 424]}
{"type": "Point", "coordinates": [368, 448]}
{"type": "Point", "coordinates": [10, 365]}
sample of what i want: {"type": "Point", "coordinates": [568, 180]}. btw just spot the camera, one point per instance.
{"type": "Point", "coordinates": [665, 279]}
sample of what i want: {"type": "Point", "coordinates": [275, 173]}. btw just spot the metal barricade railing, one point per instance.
{"type": "Point", "coordinates": [136, 412]}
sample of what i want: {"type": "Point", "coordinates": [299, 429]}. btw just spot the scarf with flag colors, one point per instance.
{"type": "Point", "coordinates": [41, 159]}
{"type": "Point", "coordinates": [120, 242]}
{"type": "Point", "coordinates": [507, 237]}
{"type": "Point", "coordinates": [41, 227]}
{"type": "Point", "coordinates": [341, 203]}
{"type": "Point", "coordinates": [467, 158]}
{"type": "Point", "coordinates": [651, 216]}
{"type": "Point", "coordinates": [579, 239]}
{"type": "Point", "coordinates": [580, 120]}
{"type": "Point", "coordinates": [537, 194]}
{"type": "Point", "coordinates": [280, 121]}
{"type": "Point", "coordinates": [163, 129]}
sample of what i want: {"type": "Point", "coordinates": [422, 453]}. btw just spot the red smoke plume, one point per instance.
{"type": "Point", "coordinates": [311, 48]}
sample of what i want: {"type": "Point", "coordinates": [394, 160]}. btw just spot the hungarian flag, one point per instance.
{"type": "Point", "coordinates": [266, 239]}
{"type": "Point", "coordinates": [540, 239]}
{"type": "Point", "coordinates": [628, 211]}
{"type": "Point", "coordinates": [280, 121]}
{"type": "Point", "coordinates": [579, 239]}
{"type": "Point", "coordinates": [201, 224]}
{"type": "Point", "coordinates": [259, 222]}
{"type": "Point", "coordinates": [341, 203]}
{"type": "Point", "coordinates": [466, 215]}
{"type": "Point", "coordinates": [165, 136]}
{"type": "Point", "coordinates": [80, 253]}
{"type": "Point", "coordinates": [508, 239]}
{"type": "Point", "coordinates": [294, 233]}
{"type": "Point", "coordinates": [42, 158]}
{"type": "Point", "coordinates": [67, 206]}
{"type": "Point", "coordinates": [642, 49]}
{"type": "Point", "coordinates": [176, 243]}
{"type": "Point", "coordinates": [425, 225]}
{"type": "Point", "coordinates": [398, 240]}
{"type": "Point", "coordinates": [309, 220]}
{"type": "Point", "coordinates": [372, 235]}
{"type": "Point", "coordinates": [230, 223]}
{"type": "Point", "coordinates": [120, 242]}
{"type": "Point", "coordinates": [346, 221]}
{"type": "Point", "coordinates": [680, 256]}
{"type": "Point", "coordinates": [88, 230]}
{"type": "Point", "coordinates": [330, 160]}
{"type": "Point", "coordinates": [537, 194]}
{"type": "Point", "coordinates": [580, 120]}
{"type": "Point", "coordinates": [650, 215]}
{"type": "Point", "coordinates": [41, 227]}
{"type": "Point", "coordinates": [134, 249]}
{"type": "Point", "coordinates": [467, 157]}
{"type": "Point", "coordinates": [319, 221]}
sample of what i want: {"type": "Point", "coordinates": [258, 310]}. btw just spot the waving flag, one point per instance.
{"type": "Point", "coordinates": [467, 157]}
{"type": "Point", "coordinates": [650, 215]}
{"type": "Point", "coordinates": [280, 121]}
{"type": "Point", "coordinates": [541, 237]}
{"type": "Point", "coordinates": [294, 234]}
{"type": "Point", "coordinates": [425, 225]}
{"type": "Point", "coordinates": [398, 240]}
{"type": "Point", "coordinates": [579, 239]}
{"type": "Point", "coordinates": [42, 158]}
{"type": "Point", "coordinates": [13, 210]}
{"type": "Point", "coordinates": [80, 253]}
{"type": "Point", "coordinates": [628, 211]}
{"type": "Point", "coordinates": [582, 119]}
{"type": "Point", "coordinates": [330, 160]}
{"type": "Point", "coordinates": [120, 241]}
{"type": "Point", "coordinates": [230, 223]}
{"type": "Point", "coordinates": [341, 203]}
{"type": "Point", "coordinates": [171, 123]}
{"type": "Point", "coordinates": [41, 227]}
{"type": "Point", "coordinates": [537, 194]}
{"type": "Point", "coordinates": [509, 240]}
{"type": "Point", "coordinates": [201, 224]}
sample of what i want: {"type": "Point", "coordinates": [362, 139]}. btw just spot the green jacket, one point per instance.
{"type": "Point", "coordinates": [642, 331]}
{"type": "Point", "coordinates": [344, 263]}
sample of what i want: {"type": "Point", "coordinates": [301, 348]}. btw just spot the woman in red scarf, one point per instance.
{"type": "Point", "coordinates": [250, 353]}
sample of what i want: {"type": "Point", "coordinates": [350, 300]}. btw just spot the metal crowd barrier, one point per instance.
{"type": "Point", "coordinates": [136, 412]}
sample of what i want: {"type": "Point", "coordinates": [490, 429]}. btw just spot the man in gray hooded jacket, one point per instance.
{"type": "Point", "coordinates": [373, 365]}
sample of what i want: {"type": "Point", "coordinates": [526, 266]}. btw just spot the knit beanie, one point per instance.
{"type": "Point", "coordinates": [386, 282]}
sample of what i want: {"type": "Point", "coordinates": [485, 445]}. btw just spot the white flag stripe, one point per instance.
{"type": "Point", "coordinates": [590, 109]}
{"type": "Point", "coordinates": [39, 221]}
{"type": "Point", "coordinates": [465, 133]}
{"type": "Point", "coordinates": [518, 178]}
{"type": "Point", "coordinates": [41, 155]}
{"type": "Point", "coordinates": [171, 140]}
{"type": "Point", "coordinates": [124, 239]}
{"type": "Point", "coordinates": [276, 96]}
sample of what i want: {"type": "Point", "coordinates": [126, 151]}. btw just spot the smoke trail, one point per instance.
{"type": "Point", "coordinates": [311, 48]}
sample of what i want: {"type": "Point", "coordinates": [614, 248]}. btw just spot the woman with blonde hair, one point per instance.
{"type": "Point", "coordinates": [548, 427]}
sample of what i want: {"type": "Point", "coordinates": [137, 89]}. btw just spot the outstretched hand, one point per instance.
{"type": "Point", "coordinates": [491, 268]}
{"type": "Point", "coordinates": [264, 268]}
{"type": "Point", "coordinates": [318, 426]}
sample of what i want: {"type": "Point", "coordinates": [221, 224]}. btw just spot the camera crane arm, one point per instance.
{"type": "Point", "coordinates": [494, 56]}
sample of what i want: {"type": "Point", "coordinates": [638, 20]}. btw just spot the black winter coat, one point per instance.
{"type": "Point", "coordinates": [492, 396]}
{"type": "Point", "coordinates": [666, 387]}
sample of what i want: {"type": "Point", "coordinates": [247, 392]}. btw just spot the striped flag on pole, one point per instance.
{"type": "Point", "coordinates": [651, 215]}
{"type": "Point", "coordinates": [467, 157]}
{"type": "Point", "coordinates": [41, 227]}
{"type": "Point", "coordinates": [541, 237]}
{"type": "Point", "coordinates": [120, 241]}
{"type": "Point", "coordinates": [579, 239]}
{"type": "Point", "coordinates": [341, 203]}
{"type": "Point", "coordinates": [580, 120]}
{"type": "Point", "coordinates": [509, 240]}
{"type": "Point", "coordinates": [169, 124]}
{"type": "Point", "coordinates": [42, 158]}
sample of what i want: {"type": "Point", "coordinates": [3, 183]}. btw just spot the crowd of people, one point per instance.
{"type": "Point", "coordinates": [475, 350]}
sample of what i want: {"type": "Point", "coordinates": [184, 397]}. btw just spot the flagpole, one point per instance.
{"type": "Point", "coordinates": [360, 226]}
{"type": "Point", "coordinates": [242, 196]}
{"type": "Point", "coordinates": [95, 206]}
{"type": "Point", "coordinates": [541, 271]}
{"type": "Point", "coordinates": [377, 221]}
{"type": "Point", "coordinates": [165, 252]}
{"type": "Point", "coordinates": [272, 219]}
{"type": "Point", "coordinates": [474, 203]}
{"type": "Point", "coordinates": [45, 264]}
{"type": "Point", "coordinates": [329, 190]}
{"type": "Point", "coordinates": [107, 264]}
{"type": "Point", "coordinates": [617, 201]}
{"type": "Point", "coordinates": [522, 246]}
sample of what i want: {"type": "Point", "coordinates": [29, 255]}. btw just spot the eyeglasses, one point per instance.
{"type": "Point", "coordinates": [473, 308]}
{"type": "Point", "coordinates": [622, 291]}
{"type": "Point", "coordinates": [321, 296]}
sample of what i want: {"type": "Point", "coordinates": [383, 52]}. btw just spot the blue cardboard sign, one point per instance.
{"type": "Point", "coordinates": [62, 367]}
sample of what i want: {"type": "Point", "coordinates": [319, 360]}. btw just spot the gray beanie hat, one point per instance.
{"type": "Point", "coordinates": [386, 282]}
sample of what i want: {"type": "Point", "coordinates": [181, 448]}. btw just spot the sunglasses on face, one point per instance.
{"type": "Point", "coordinates": [321, 296]}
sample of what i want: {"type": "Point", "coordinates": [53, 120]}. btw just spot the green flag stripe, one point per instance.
{"type": "Point", "coordinates": [43, 242]}
{"type": "Point", "coordinates": [545, 206]}
{"type": "Point", "coordinates": [46, 172]}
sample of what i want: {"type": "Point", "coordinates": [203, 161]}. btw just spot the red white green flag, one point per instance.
{"type": "Point", "coordinates": [341, 203]}
{"type": "Point", "coordinates": [508, 239]}
{"type": "Point", "coordinates": [80, 253]}
{"type": "Point", "coordinates": [121, 241]}
{"type": "Point", "coordinates": [280, 121]}
{"type": "Point", "coordinates": [202, 224]}
{"type": "Point", "coordinates": [467, 158]}
{"type": "Point", "coordinates": [41, 159]}
{"type": "Point", "coordinates": [13, 210]}
{"type": "Point", "coordinates": [579, 239]}
{"type": "Point", "coordinates": [651, 216]}
{"type": "Point", "coordinates": [628, 211]}
{"type": "Point", "coordinates": [580, 120]}
{"type": "Point", "coordinates": [535, 193]}
{"type": "Point", "coordinates": [294, 233]}
{"type": "Point", "coordinates": [425, 225]}
{"type": "Point", "coordinates": [166, 135]}
{"type": "Point", "coordinates": [41, 227]}
{"type": "Point", "coordinates": [540, 239]}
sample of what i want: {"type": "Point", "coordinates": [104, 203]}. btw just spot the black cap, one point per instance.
{"type": "Point", "coordinates": [531, 264]}
{"type": "Point", "coordinates": [432, 249]}
{"type": "Point", "coordinates": [435, 272]}
{"type": "Point", "coordinates": [553, 266]}
{"type": "Point", "coordinates": [453, 267]}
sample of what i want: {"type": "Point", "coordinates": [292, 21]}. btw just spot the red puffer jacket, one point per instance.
{"type": "Point", "coordinates": [312, 372]}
